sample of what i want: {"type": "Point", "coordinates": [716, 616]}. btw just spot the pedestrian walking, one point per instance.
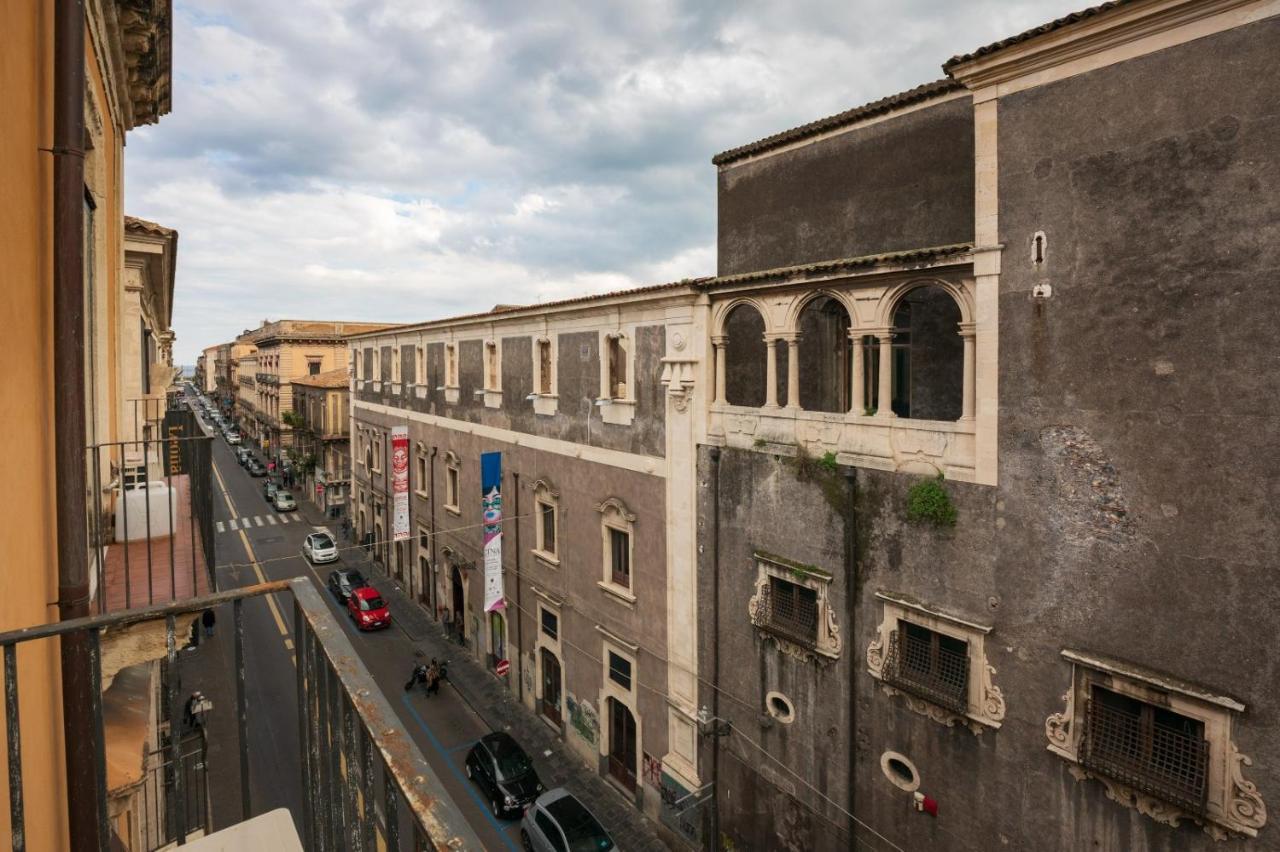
{"type": "Point", "coordinates": [208, 619]}
{"type": "Point", "coordinates": [419, 675]}
{"type": "Point", "coordinates": [433, 678]}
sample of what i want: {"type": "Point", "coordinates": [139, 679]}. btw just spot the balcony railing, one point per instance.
{"type": "Point", "coordinates": [363, 781]}
{"type": "Point", "coordinates": [936, 674]}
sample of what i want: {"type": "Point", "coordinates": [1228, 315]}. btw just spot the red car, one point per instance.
{"type": "Point", "coordinates": [367, 609]}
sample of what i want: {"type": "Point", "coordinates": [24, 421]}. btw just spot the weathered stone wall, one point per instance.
{"type": "Point", "coordinates": [902, 183]}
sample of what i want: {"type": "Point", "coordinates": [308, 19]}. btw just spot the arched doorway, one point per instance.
{"type": "Point", "coordinates": [622, 743]}
{"type": "Point", "coordinates": [745, 357]}
{"type": "Point", "coordinates": [825, 356]}
{"type": "Point", "coordinates": [459, 605]}
{"type": "Point", "coordinates": [549, 705]}
{"type": "Point", "coordinates": [928, 355]}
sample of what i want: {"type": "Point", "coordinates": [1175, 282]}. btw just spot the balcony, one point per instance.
{"type": "Point", "coordinates": [363, 782]}
{"type": "Point", "coordinates": [267, 378]}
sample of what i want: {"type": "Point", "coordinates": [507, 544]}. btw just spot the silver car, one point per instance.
{"type": "Point", "coordinates": [319, 547]}
{"type": "Point", "coordinates": [557, 822]}
{"type": "Point", "coordinates": [283, 501]}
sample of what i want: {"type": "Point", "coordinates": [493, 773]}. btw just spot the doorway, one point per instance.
{"type": "Point", "coordinates": [459, 605]}
{"type": "Point", "coordinates": [622, 744]}
{"type": "Point", "coordinates": [550, 704]}
{"type": "Point", "coordinates": [497, 638]}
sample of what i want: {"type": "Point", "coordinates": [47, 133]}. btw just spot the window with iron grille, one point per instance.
{"type": "Point", "coordinates": [1150, 748]}
{"type": "Point", "coordinates": [789, 610]}
{"type": "Point", "coordinates": [928, 664]}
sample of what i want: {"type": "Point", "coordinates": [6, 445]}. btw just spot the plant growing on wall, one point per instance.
{"type": "Point", "coordinates": [928, 502]}
{"type": "Point", "coordinates": [823, 471]}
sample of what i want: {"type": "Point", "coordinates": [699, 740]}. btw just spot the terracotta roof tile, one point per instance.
{"type": "Point", "coordinates": [134, 225]}
{"type": "Point", "coordinates": [912, 96]}
{"type": "Point", "coordinates": [1057, 24]}
{"type": "Point", "coordinates": [329, 379]}
{"type": "Point", "coordinates": [920, 255]}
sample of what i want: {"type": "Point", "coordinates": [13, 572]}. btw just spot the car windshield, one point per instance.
{"type": "Point", "coordinates": [580, 828]}
{"type": "Point", "coordinates": [354, 579]}
{"type": "Point", "coordinates": [322, 541]}
{"type": "Point", "coordinates": [512, 762]}
{"type": "Point", "coordinates": [368, 604]}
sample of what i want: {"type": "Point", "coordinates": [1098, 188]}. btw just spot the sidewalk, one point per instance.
{"type": "Point", "coordinates": [494, 703]}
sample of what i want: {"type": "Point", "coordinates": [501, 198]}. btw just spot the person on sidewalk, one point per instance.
{"type": "Point", "coordinates": [208, 619]}
{"type": "Point", "coordinates": [419, 676]}
{"type": "Point", "coordinates": [433, 678]}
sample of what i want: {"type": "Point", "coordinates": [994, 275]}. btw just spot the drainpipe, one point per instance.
{"type": "Point", "coordinates": [431, 597]}
{"type": "Point", "coordinates": [519, 605]}
{"type": "Point", "coordinates": [69, 417]}
{"type": "Point", "coordinates": [853, 595]}
{"type": "Point", "coordinates": [715, 646]}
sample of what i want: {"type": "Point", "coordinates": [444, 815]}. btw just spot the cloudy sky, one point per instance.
{"type": "Point", "coordinates": [408, 159]}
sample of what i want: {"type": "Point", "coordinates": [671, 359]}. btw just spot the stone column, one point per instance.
{"type": "Point", "coordinates": [771, 372]}
{"type": "Point", "coordinates": [793, 370]}
{"type": "Point", "coordinates": [970, 366]}
{"type": "Point", "coordinates": [857, 396]}
{"type": "Point", "coordinates": [884, 405]}
{"type": "Point", "coordinates": [718, 350]}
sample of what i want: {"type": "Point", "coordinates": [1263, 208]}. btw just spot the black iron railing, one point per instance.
{"type": "Point", "coordinates": [364, 783]}
{"type": "Point", "coordinates": [789, 610]}
{"type": "Point", "coordinates": [1126, 741]}
{"type": "Point", "coordinates": [929, 669]}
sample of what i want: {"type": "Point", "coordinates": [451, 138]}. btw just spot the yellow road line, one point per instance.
{"type": "Point", "coordinates": [253, 560]}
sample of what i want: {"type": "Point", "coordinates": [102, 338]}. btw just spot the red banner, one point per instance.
{"type": "Point", "coordinates": [400, 482]}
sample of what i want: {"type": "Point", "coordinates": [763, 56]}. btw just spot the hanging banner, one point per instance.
{"type": "Point", "coordinates": [400, 482]}
{"type": "Point", "coordinates": [491, 505]}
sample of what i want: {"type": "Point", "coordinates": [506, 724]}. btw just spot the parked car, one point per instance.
{"type": "Point", "coordinates": [243, 455]}
{"type": "Point", "coordinates": [504, 772]}
{"type": "Point", "coordinates": [344, 581]}
{"type": "Point", "coordinates": [283, 501]}
{"type": "Point", "coordinates": [367, 609]}
{"type": "Point", "coordinates": [256, 468]}
{"type": "Point", "coordinates": [557, 821]}
{"type": "Point", "coordinates": [269, 491]}
{"type": "Point", "coordinates": [319, 547]}
{"type": "Point", "coordinates": [233, 437]}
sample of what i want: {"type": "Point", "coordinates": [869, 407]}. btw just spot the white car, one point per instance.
{"type": "Point", "coordinates": [233, 438]}
{"type": "Point", "coordinates": [319, 548]}
{"type": "Point", "coordinates": [284, 502]}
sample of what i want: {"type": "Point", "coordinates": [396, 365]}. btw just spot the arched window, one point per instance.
{"type": "Point", "coordinates": [826, 356]}
{"type": "Point", "coordinates": [744, 354]}
{"type": "Point", "coordinates": [928, 355]}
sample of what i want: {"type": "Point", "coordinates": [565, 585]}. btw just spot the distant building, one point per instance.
{"type": "Point", "coordinates": [322, 451]}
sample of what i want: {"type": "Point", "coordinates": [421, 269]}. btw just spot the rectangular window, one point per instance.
{"type": "Point", "coordinates": [451, 364]}
{"type": "Point", "coordinates": [550, 624]}
{"type": "Point", "coordinates": [620, 671]}
{"type": "Point", "coordinates": [1150, 748]}
{"type": "Point", "coordinates": [617, 369]}
{"type": "Point", "coordinates": [491, 366]}
{"type": "Point", "coordinates": [620, 558]}
{"type": "Point", "coordinates": [547, 512]}
{"type": "Point", "coordinates": [544, 367]}
{"type": "Point", "coordinates": [422, 474]}
{"type": "Point", "coordinates": [419, 366]}
{"type": "Point", "coordinates": [313, 367]}
{"type": "Point", "coordinates": [929, 664]}
{"type": "Point", "coordinates": [451, 488]}
{"type": "Point", "coordinates": [791, 611]}
{"type": "Point", "coordinates": [395, 364]}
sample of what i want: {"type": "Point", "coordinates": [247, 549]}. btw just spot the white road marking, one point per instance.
{"type": "Point", "coordinates": [257, 519]}
{"type": "Point", "coordinates": [232, 522]}
{"type": "Point", "coordinates": [271, 519]}
{"type": "Point", "coordinates": [222, 527]}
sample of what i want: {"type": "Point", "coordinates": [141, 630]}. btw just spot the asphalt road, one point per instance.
{"type": "Point", "coordinates": [265, 545]}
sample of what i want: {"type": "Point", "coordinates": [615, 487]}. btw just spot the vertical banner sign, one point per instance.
{"type": "Point", "coordinates": [491, 503]}
{"type": "Point", "coordinates": [400, 482]}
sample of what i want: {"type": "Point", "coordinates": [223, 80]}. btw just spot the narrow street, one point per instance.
{"type": "Point", "coordinates": [255, 544]}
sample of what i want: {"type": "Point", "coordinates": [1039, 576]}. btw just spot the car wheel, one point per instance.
{"type": "Point", "coordinates": [525, 842]}
{"type": "Point", "coordinates": [496, 808]}
{"type": "Point", "coordinates": [470, 777]}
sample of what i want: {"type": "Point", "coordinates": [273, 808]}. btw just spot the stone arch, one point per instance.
{"type": "Point", "coordinates": [928, 349]}
{"type": "Point", "coordinates": [743, 327]}
{"type": "Point", "coordinates": [824, 352]}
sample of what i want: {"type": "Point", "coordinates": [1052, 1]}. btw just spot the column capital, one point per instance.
{"type": "Point", "coordinates": [719, 339]}
{"type": "Point", "coordinates": [775, 336]}
{"type": "Point", "coordinates": [968, 329]}
{"type": "Point", "coordinates": [881, 333]}
{"type": "Point", "coordinates": [789, 337]}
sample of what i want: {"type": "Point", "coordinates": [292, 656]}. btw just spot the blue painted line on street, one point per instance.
{"type": "Point", "coordinates": [466, 782]}
{"type": "Point", "coordinates": [468, 744]}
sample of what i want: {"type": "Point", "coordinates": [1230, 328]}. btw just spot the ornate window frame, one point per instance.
{"type": "Point", "coordinates": [986, 706]}
{"type": "Point", "coordinates": [545, 494]}
{"type": "Point", "coordinates": [829, 641]}
{"type": "Point", "coordinates": [1233, 805]}
{"type": "Point", "coordinates": [619, 409]}
{"type": "Point", "coordinates": [545, 404]}
{"type": "Point", "coordinates": [452, 390]}
{"type": "Point", "coordinates": [614, 515]}
{"type": "Point", "coordinates": [492, 379]}
{"type": "Point", "coordinates": [421, 471]}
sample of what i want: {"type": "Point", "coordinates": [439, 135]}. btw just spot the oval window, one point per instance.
{"type": "Point", "coordinates": [780, 707]}
{"type": "Point", "coordinates": [900, 771]}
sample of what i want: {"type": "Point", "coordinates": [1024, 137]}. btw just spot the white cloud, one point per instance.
{"type": "Point", "coordinates": [395, 159]}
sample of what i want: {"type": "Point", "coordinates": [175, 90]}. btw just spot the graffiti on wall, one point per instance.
{"type": "Point", "coordinates": [583, 718]}
{"type": "Point", "coordinates": [680, 809]}
{"type": "Point", "coordinates": [652, 770]}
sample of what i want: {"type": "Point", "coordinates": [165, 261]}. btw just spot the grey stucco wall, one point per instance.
{"type": "Point", "coordinates": [903, 183]}
{"type": "Point", "coordinates": [1139, 461]}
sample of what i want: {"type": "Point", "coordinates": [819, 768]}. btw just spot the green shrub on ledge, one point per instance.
{"type": "Point", "coordinates": [928, 502]}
